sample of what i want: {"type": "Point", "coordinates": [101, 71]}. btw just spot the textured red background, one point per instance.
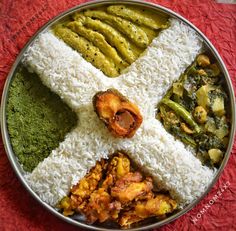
{"type": "Point", "coordinates": [20, 19]}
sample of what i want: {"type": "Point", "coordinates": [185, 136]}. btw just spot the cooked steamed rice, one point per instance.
{"type": "Point", "coordinates": [145, 82]}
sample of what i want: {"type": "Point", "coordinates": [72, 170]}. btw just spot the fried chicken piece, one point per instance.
{"type": "Point", "coordinates": [100, 205]}
{"type": "Point", "coordinates": [158, 206]}
{"type": "Point", "coordinates": [124, 196]}
{"type": "Point", "coordinates": [131, 187]}
{"type": "Point", "coordinates": [128, 218]}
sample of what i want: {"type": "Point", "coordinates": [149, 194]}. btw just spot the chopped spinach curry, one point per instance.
{"type": "Point", "coordinates": [37, 119]}
{"type": "Point", "coordinates": [195, 110]}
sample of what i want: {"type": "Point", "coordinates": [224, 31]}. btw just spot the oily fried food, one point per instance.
{"type": "Point", "coordinates": [158, 206]}
{"type": "Point", "coordinates": [97, 207]}
{"type": "Point", "coordinates": [112, 190]}
{"type": "Point", "coordinates": [119, 166]}
{"type": "Point", "coordinates": [101, 207]}
{"type": "Point", "coordinates": [83, 189]}
{"type": "Point", "coordinates": [131, 187]}
{"type": "Point", "coordinates": [121, 116]}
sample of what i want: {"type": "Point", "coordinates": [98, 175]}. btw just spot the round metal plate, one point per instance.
{"type": "Point", "coordinates": [149, 224]}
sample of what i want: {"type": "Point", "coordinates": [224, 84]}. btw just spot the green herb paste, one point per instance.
{"type": "Point", "coordinates": [37, 119]}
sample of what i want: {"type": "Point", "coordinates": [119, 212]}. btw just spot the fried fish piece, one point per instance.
{"type": "Point", "coordinates": [121, 116]}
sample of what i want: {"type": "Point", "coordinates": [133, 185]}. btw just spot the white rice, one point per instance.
{"type": "Point", "coordinates": [145, 82]}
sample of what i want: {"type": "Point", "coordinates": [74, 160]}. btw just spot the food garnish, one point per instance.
{"type": "Point", "coordinates": [194, 110]}
{"type": "Point", "coordinates": [122, 194]}
{"type": "Point", "coordinates": [121, 116]}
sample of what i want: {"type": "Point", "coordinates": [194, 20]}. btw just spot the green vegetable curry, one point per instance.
{"type": "Point", "coordinates": [194, 110]}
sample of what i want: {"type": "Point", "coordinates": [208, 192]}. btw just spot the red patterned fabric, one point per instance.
{"type": "Point", "coordinates": [20, 19]}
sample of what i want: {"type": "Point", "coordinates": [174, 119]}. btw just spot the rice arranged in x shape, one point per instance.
{"type": "Point", "coordinates": [145, 82]}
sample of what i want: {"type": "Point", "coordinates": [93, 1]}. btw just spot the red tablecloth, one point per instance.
{"type": "Point", "coordinates": [20, 19]}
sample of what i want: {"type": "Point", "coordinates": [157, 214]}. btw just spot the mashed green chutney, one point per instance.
{"type": "Point", "coordinates": [37, 119]}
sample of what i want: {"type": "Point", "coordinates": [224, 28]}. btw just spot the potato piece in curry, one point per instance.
{"type": "Point", "coordinates": [158, 206]}
{"type": "Point", "coordinates": [123, 194]}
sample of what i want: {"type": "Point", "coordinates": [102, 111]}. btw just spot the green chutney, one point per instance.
{"type": "Point", "coordinates": [37, 119]}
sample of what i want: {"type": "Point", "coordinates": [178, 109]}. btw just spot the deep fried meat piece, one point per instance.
{"type": "Point", "coordinates": [158, 206]}
{"type": "Point", "coordinates": [118, 167]}
{"type": "Point", "coordinates": [101, 207]}
{"type": "Point", "coordinates": [128, 218]}
{"type": "Point", "coordinates": [131, 187]}
{"type": "Point", "coordinates": [121, 116]}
